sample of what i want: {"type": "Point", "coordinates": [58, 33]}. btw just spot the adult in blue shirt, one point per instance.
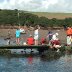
{"type": "Point", "coordinates": [17, 36]}
{"type": "Point", "coordinates": [49, 36]}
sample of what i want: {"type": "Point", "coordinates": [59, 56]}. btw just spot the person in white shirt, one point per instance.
{"type": "Point", "coordinates": [36, 36]}
{"type": "Point", "coordinates": [54, 37]}
{"type": "Point", "coordinates": [55, 41]}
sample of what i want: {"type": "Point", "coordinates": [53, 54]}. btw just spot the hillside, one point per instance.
{"type": "Point", "coordinates": [53, 15]}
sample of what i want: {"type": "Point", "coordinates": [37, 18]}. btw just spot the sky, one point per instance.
{"type": "Point", "coordinates": [38, 5]}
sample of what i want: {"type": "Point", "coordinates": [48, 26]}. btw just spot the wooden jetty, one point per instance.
{"type": "Point", "coordinates": [40, 48]}
{"type": "Point", "coordinates": [23, 46]}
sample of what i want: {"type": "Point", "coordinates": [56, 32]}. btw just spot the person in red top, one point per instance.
{"type": "Point", "coordinates": [30, 40]}
{"type": "Point", "coordinates": [69, 31]}
{"type": "Point", "coordinates": [43, 41]}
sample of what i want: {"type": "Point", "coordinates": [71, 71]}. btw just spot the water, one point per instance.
{"type": "Point", "coordinates": [5, 42]}
{"type": "Point", "coordinates": [36, 64]}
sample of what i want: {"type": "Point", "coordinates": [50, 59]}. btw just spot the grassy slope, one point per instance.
{"type": "Point", "coordinates": [53, 15]}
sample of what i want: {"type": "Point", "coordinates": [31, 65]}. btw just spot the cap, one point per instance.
{"type": "Point", "coordinates": [57, 34]}
{"type": "Point", "coordinates": [30, 35]}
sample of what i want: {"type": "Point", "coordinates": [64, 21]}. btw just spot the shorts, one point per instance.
{"type": "Point", "coordinates": [17, 36]}
{"type": "Point", "coordinates": [36, 37]}
{"type": "Point", "coordinates": [56, 42]}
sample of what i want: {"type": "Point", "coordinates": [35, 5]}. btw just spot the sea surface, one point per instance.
{"type": "Point", "coordinates": [34, 63]}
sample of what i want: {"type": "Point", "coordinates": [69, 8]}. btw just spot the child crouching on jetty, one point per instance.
{"type": "Point", "coordinates": [55, 42]}
{"type": "Point", "coordinates": [43, 41]}
{"type": "Point", "coordinates": [30, 40]}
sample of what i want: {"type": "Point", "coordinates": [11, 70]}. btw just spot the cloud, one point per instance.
{"type": "Point", "coordinates": [14, 4]}
{"type": "Point", "coordinates": [46, 3]}
{"type": "Point", "coordinates": [38, 5]}
{"type": "Point", "coordinates": [61, 6]}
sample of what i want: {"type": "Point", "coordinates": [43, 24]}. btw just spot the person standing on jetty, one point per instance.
{"type": "Point", "coordinates": [17, 36]}
{"type": "Point", "coordinates": [49, 36]}
{"type": "Point", "coordinates": [36, 35]}
{"type": "Point", "coordinates": [69, 33]}
{"type": "Point", "coordinates": [9, 37]}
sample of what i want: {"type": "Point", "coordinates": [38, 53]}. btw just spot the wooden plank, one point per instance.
{"type": "Point", "coordinates": [23, 47]}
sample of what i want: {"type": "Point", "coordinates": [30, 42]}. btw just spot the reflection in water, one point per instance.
{"type": "Point", "coordinates": [30, 59]}
{"type": "Point", "coordinates": [36, 64]}
{"type": "Point", "coordinates": [68, 58]}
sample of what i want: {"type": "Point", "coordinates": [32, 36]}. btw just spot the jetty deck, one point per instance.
{"type": "Point", "coordinates": [24, 47]}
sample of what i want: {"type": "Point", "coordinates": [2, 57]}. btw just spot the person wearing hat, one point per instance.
{"type": "Point", "coordinates": [54, 37]}
{"type": "Point", "coordinates": [30, 40]}
{"type": "Point", "coordinates": [55, 41]}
